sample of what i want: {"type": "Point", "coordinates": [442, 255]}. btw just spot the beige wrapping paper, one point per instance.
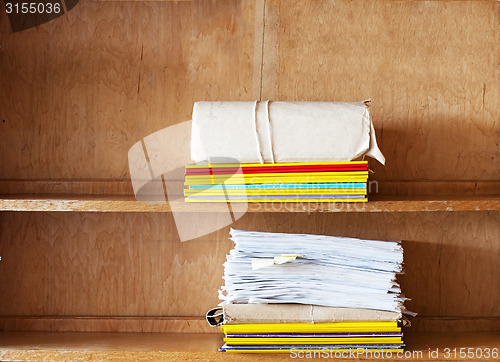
{"type": "Point", "coordinates": [268, 132]}
{"type": "Point", "coordinates": [300, 313]}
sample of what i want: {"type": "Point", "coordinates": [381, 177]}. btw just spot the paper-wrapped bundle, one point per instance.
{"type": "Point", "coordinates": [268, 132]}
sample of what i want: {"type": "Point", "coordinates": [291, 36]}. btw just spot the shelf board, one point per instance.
{"type": "Point", "coordinates": [86, 203]}
{"type": "Point", "coordinates": [189, 346]}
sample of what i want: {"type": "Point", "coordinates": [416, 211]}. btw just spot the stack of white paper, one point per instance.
{"type": "Point", "coordinates": [313, 269]}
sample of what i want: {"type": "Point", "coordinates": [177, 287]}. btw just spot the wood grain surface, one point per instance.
{"type": "Point", "coordinates": [199, 324]}
{"type": "Point", "coordinates": [127, 204]}
{"type": "Point", "coordinates": [79, 91]}
{"type": "Point", "coordinates": [76, 93]}
{"type": "Point", "coordinates": [430, 68]}
{"type": "Point", "coordinates": [84, 264]}
{"type": "Point", "coordinates": [28, 346]}
{"type": "Point", "coordinates": [422, 189]}
{"type": "Point", "coordinates": [123, 324]}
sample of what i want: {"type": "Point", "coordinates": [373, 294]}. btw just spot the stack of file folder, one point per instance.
{"type": "Point", "coordinates": [284, 182]}
{"type": "Point", "coordinates": [363, 337]}
{"type": "Point", "coordinates": [299, 292]}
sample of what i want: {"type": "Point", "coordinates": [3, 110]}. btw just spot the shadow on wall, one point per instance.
{"type": "Point", "coordinates": [25, 15]}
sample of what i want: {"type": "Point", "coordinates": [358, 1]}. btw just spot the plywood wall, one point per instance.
{"type": "Point", "coordinates": [430, 68]}
{"type": "Point", "coordinates": [134, 265]}
{"type": "Point", "coordinates": [79, 91]}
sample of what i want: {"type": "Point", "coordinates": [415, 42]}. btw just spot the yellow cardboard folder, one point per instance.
{"type": "Point", "coordinates": [312, 340]}
{"type": "Point", "coordinates": [338, 327]}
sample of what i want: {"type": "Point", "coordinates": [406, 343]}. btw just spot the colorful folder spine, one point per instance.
{"type": "Point", "coordinates": [383, 336]}
{"type": "Point", "coordinates": [285, 182]}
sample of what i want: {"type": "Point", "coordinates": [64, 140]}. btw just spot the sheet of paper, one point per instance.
{"type": "Point", "coordinates": [258, 263]}
{"type": "Point", "coordinates": [313, 269]}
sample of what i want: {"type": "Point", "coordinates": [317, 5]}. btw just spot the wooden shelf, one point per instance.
{"type": "Point", "coordinates": [85, 203]}
{"type": "Point", "coordinates": [80, 253]}
{"type": "Point", "coordinates": [188, 346]}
